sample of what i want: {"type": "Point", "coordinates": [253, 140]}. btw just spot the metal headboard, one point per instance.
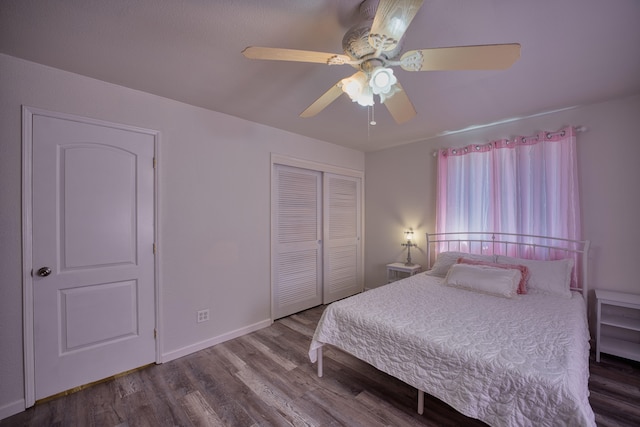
{"type": "Point", "coordinates": [517, 245]}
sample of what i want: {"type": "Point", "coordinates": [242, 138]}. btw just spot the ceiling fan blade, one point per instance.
{"type": "Point", "coordinates": [277, 54]}
{"type": "Point", "coordinates": [391, 21]}
{"type": "Point", "coordinates": [321, 103]}
{"type": "Point", "coordinates": [484, 57]}
{"type": "Point", "coordinates": [400, 106]}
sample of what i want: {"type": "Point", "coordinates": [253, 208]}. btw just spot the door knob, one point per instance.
{"type": "Point", "coordinates": [44, 271]}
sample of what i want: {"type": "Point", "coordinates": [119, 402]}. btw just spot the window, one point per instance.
{"type": "Point", "coordinates": [524, 185]}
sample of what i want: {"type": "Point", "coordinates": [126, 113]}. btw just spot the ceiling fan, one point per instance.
{"type": "Point", "coordinates": [373, 46]}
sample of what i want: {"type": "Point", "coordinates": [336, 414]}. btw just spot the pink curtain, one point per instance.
{"type": "Point", "coordinates": [523, 185]}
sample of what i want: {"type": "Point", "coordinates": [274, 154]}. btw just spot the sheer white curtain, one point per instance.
{"type": "Point", "coordinates": [521, 185]}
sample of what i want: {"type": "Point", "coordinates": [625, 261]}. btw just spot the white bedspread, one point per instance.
{"type": "Point", "coordinates": [507, 362]}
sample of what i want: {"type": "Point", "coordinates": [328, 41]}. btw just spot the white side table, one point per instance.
{"type": "Point", "coordinates": [398, 270]}
{"type": "Point", "coordinates": [618, 327]}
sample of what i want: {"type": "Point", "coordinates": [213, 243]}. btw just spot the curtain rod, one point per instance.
{"type": "Point", "coordinates": [576, 128]}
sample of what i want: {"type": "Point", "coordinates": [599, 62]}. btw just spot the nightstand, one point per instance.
{"type": "Point", "coordinates": [618, 327]}
{"type": "Point", "coordinates": [398, 270]}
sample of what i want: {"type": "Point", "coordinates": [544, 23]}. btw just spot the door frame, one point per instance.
{"type": "Point", "coordinates": [28, 114]}
{"type": "Point", "coordinates": [281, 159]}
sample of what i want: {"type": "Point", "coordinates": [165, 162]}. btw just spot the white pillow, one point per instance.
{"type": "Point", "coordinates": [547, 277]}
{"type": "Point", "coordinates": [446, 259]}
{"type": "Point", "coordinates": [495, 281]}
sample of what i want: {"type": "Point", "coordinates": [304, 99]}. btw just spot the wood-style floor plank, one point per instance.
{"type": "Point", "coordinates": [265, 379]}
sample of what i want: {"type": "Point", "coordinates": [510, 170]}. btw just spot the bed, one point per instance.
{"type": "Point", "coordinates": [501, 354]}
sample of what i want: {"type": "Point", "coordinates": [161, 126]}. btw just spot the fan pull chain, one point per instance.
{"type": "Point", "coordinates": [368, 124]}
{"type": "Point", "coordinates": [370, 121]}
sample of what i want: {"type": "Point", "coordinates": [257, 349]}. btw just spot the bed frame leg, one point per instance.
{"type": "Point", "coordinates": [420, 402]}
{"type": "Point", "coordinates": [319, 354]}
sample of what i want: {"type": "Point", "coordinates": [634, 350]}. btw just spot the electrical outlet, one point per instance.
{"type": "Point", "coordinates": [203, 315]}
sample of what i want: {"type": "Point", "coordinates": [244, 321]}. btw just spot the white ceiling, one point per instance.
{"type": "Point", "coordinates": [573, 52]}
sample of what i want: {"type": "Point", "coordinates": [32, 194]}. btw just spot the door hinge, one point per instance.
{"type": "Point", "coordinates": [154, 163]}
{"type": "Point", "coordinates": [154, 248]}
{"type": "Point", "coordinates": [155, 334]}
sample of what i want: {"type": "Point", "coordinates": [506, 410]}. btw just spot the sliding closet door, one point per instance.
{"type": "Point", "coordinates": [297, 234]}
{"type": "Point", "coordinates": [343, 272]}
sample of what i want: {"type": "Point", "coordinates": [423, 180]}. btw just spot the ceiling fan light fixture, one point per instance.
{"type": "Point", "coordinates": [382, 80]}
{"type": "Point", "coordinates": [357, 87]}
{"type": "Point", "coordinates": [365, 98]}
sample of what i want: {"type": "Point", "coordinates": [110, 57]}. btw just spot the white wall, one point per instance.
{"type": "Point", "coordinates": [401, 190]}
{"type": "Point", "coordinates": [214, 207]}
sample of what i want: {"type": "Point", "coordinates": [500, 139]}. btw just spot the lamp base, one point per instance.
{"type": "Point", "coordinates": [408, 245]}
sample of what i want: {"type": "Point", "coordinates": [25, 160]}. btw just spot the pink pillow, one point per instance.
{"type": "Point", "coordinates": [522, 286]}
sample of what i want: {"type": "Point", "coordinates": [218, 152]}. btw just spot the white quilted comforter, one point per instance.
{"type": "Point", "coordinates": [507, 362]}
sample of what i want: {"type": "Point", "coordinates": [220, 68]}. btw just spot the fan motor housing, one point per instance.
{"type": "Point", "coordinates": [355, 43]}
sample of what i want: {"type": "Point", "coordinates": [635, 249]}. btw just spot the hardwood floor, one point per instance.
{"type": "Point", "coordinates": [265, 379]}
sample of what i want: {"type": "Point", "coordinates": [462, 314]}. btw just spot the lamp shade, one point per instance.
{"type": "Point", "coordinates": [357, 87]}
{"type": "Point", "coordinates": [382, 80]}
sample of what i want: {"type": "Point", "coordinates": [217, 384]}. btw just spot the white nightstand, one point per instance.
{"type": "Point", "coordinates": [618, 327]}
{"type": "Point", "coordinates": [398, 270]}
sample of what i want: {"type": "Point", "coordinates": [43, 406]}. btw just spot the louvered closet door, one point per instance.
{"type": "Point", "coordinates": [342, 229]}
{"type": "Point", "coordinates": [297, 232]}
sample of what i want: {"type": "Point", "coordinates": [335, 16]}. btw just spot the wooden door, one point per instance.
{"type": "Point", "coordinates": [297, 262]}
{"type": "Point", "coordinates": [93, 253]}
{"type": "Point", "coordinates": [343, 270]}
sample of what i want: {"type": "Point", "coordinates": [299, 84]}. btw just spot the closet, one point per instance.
{"type": "Point", "coordinates": [316, 237]}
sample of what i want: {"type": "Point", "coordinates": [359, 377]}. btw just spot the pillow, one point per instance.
{"type": "Point", "coordinates": [547, 277]}
{"type": "Point", "coordinates": [446, 259]}
{"type": "Point", "coordinates": [524, 271]}
{"type": "Point", "coordinates": [501, 282]}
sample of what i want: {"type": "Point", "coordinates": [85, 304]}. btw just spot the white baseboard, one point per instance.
{"type": "Point", "coordinates": [175, 354]}
{"type": "Point", "coordinates": [12, 408]}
